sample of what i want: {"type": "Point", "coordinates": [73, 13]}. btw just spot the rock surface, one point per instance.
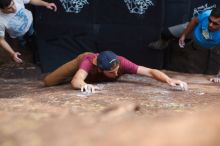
{"type": "Point", "coordinates": [134, 111]}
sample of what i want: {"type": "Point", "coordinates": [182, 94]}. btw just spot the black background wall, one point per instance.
{"type": "Point", "coordinates": [108, 25]}
{"type": "Point", "coordinates": [101, 25]}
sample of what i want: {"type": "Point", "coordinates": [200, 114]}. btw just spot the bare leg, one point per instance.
{"type": "Point", "coordinates": [65, 72]}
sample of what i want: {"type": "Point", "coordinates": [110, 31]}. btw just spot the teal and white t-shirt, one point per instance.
{"type": "Point", "coordinates": [18, 23]}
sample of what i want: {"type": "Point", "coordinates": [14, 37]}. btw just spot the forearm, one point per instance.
{"type": "Point", "coordinates": [190, 27]}
{"type": "Point", "coordinates": [154, 73]}
{"type": "Point", "coordinates": [77, 83]}
{"type": "Point", "coordinates": [160, 76]}
{"type": "Point", "coordinates": [38, 3]}
{"type": "Point", "coordinates": [79, 79]}
{"type": "Point", "coordinates": [6, 46]}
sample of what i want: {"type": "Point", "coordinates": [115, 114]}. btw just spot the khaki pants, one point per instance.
{"type": "Point", "coordinates": [65, 72]}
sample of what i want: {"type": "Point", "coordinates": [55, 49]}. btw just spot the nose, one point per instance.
{"type": "Point", "coordinates": [210, 24]}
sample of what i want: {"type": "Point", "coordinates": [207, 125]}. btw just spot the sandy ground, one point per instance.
{"type": "Point", "coordinates": [135, 111]}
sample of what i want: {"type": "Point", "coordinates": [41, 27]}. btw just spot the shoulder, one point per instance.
{"type": "Point", "coordinates": [22, 1]}
{"type": "Point", "coordinates": [89, 56]}
{"type": "Point", "coordinates": [204, 14]}
{"type": "Point", "coordinates": [123, 60]}
{"type": "Point", "coordinates": [25, 1]}
{"type": "Point", "coordinates": [127, 66]}
{"type": "Point", "coordinates": [87, 62]}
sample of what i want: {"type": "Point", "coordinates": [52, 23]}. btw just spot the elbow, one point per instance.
{"type": "Point", "coordinates": [153, 72]}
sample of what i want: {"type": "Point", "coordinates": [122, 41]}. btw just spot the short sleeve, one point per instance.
{"type": "Point", "coordinates": [26, 1]}
{"type": "Point", "coordinates": [127, 66]}
{"type": "Point", "coordinates": [86, 65]}
{"type": "Point", "coordinates": [203, 15]}
{"type": "Point", "coordinates": [2, 30]}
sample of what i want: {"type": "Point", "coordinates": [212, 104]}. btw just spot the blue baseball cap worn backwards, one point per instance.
{"type": "Point", "coordinates": [106, 60]}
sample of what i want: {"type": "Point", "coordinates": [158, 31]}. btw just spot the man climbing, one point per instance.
{"type": "Point", "coordinates": [106, 66]}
